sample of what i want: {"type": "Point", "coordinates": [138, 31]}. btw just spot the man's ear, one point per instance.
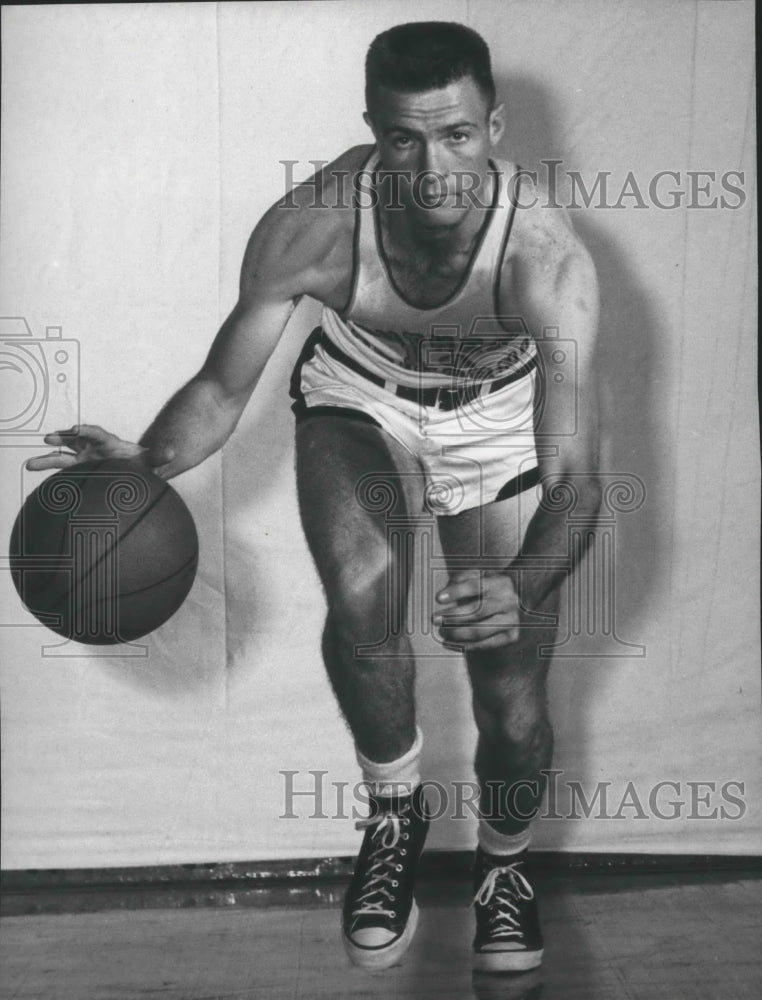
{"type": "Point", "coordinates": [496, 124]}
{"type": "Point", "coordinates": [367, 119]}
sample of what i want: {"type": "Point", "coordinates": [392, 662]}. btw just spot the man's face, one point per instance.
{"type": "Point", "coordinates": [440, 141]}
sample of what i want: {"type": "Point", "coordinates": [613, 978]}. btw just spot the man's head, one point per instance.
{"type": "Point", "coordinates": [427, 55]}
{"type": "Point", "coordinates": [431, 106]}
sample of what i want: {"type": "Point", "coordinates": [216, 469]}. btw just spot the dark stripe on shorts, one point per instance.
{"type": "Point", "coordinates": [306, 354]}
{"type": "Point", "coordinates": [524, 481]}
{"type": "Point", "coordinates": [299, 406]}
{"type": "Point", "coordinates": [303, 411]}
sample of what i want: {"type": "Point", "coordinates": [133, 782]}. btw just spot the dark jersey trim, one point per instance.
{"type": "Point", "coordinates": [344, 313]}
{"type": "Point", "coordinates": [501, 255]}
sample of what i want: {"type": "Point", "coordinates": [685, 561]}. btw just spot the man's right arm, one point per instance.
{"type": "Point", "coordinates": [199, 419]}
{"type": "Point", "coordinates": [201, 416]}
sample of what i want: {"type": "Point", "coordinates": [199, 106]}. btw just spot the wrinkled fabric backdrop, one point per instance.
{"type": "Point", "coordinates": [140, 145]}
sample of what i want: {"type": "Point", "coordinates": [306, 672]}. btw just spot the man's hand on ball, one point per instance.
{"type": "Point", "coordinates": [478, 610]}
{"type": "Point", "coordinates": [88, 442]}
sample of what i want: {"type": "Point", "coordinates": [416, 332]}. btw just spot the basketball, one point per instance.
{"type": "Point", "coordinates": [103, 552]}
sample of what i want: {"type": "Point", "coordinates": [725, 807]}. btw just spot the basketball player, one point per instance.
{"type": "Point", "coordinates": [438, 269]}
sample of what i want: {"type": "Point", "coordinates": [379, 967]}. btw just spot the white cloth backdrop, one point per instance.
{"type": "Point", "coordinates": [141, 143]}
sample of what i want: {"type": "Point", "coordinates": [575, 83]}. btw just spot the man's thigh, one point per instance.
{"type": "Point", "coordinates": [352, 478]}
{"type": "Point", "coordinates": [489, 538]}
{"type": "Point", "coordinates": [490, 535]}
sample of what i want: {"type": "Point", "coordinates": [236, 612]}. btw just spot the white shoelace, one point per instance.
{"type": "Point", "coordinates": [381, 868]}
{"type": "Point", "coordinates": [504, 920]}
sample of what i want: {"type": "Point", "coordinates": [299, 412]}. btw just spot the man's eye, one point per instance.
{"type": "Point", "coordinates": [459, 136]}
{"type": "Point", "coordinates": [401, 141]}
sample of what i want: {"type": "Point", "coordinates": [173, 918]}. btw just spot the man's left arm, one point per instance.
{"type": "Point", "coordinates": [567, 423]}
{"type": "Point", "coordinates": [557, 289]}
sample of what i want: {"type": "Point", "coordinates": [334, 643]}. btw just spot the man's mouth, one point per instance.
{"type": "Point", "coordinates": [435, 198]}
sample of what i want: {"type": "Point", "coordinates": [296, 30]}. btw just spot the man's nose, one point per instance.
{"type": "Point", "coordinates": [432, 162]}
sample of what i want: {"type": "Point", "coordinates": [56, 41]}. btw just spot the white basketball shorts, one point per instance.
{"type": "Point", "coordinates": [473, 448]}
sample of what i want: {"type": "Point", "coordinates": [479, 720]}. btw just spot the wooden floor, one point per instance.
{"type": "Point", "coordinates": [608, 936]}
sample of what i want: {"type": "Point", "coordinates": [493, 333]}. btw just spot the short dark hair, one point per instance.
{"type": "Point", "coordinates": [427, 55]}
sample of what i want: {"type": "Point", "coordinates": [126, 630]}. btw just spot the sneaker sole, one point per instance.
{"type": "Point", "coordinates": [507, 961]}
{"type": "Point", "coordinates": [388, 955]}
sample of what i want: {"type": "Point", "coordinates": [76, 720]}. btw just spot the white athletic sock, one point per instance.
{"type": "Point", "coordinates": [492, 841]}
{"type": "Point", "coordinates": [396, 777]}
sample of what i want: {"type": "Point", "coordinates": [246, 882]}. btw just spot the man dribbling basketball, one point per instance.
{"type": "Point", "coordinates": [437, 285]}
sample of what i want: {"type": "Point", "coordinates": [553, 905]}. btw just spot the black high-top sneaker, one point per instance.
{"type": "Point", "coordinates": [508, 936]}
{"type": "Point", "coordinates": [380, 915]}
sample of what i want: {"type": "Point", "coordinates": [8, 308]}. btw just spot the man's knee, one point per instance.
{"type": "Point", "coordinates": [365, 591]}
{"type": "Point", "coordinates": [515, 722]}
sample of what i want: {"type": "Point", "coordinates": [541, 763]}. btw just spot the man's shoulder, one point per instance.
{"type": "Point", "coordinates": [542, 222]}
{"type": "Point", "coordinates": [307, 234]}
{"type": "Point", "coordinates": [545, 257]}
{"type": "Point", "coordinates": [543, 237]}
{"type": "Point", "coordinates": [331, 186]}
{"type": "Point", "coordinates": [320, 209]}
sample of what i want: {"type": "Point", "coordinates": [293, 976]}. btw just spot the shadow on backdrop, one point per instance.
{"type": "Point", "coordinates": [629, 368]}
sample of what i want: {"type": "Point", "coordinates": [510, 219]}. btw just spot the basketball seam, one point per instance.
{"type": "Point", "coordinates": [88, 572]}
{"type": "Point", "coordinates": [154, 583]}
{"type": "Point", "coordinates": [132, 593]}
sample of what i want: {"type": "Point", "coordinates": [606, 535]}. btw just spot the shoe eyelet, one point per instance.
{"type": "Point", "coordinates": [403, 852]}
{"type": "Point", "coordinates": [395, 883]}
{"type": "Point", "coordinates": [393, 913]}
{"type": "Point", "coordinates": [406, 836]}
{"type": "Point", "coordinates": [398, 868]}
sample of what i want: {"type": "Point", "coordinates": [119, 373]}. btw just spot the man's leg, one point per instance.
{"type": "Point", "coordinates": [349, 544]}
{"type": "Point", "coordinates": [515, 743]}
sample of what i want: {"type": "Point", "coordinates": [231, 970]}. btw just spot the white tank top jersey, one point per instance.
{"type": "Point", "coordinates": [464, 339]}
